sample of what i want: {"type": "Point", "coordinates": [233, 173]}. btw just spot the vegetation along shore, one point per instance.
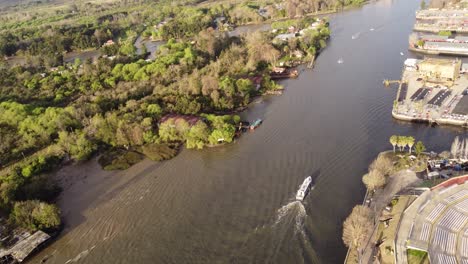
{"type": "Point", "coordinates": [122, 105]}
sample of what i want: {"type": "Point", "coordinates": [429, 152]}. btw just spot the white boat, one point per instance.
{"type": "Point", "coordinates": [340, 61]}
{"type": "Point", "coordinates": [304, 189]}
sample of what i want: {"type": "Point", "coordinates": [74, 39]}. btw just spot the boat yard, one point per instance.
{"type": "Point", "coordinates": [433, 91]}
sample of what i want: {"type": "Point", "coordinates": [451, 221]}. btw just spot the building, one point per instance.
{"type": "Point", "coordinates": [21, 250]}
{"type": "Point", "coordinates": [411, 64]}
{"type": "Point", "coordinates": [190, 119]}
{"type": "Point", "coordinates": [448, 47]}
{"type": "Point", "coordinates": [110, 42]}
{"type": "Point", "coordinates": [436, 223]}
{"type": "Point", "coordinates": [285, 37]}
{"type": "Point", "coordinates": [438, 70]}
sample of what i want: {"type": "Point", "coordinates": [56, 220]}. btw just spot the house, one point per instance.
{"type": "Point", "coordinates": [190, 119]}
{"type": "Point", "coordinates": [285, 37]}
{"type": "Point", "coordinates": [298, 54]}
{"type": "Point", "coordinates": [109, 43]}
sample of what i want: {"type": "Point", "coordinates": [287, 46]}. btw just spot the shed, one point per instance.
{"type": "Point", "coordinates": [24, 248]}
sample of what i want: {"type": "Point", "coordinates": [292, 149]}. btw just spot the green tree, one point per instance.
{"type": "Point", "coordinates": [410, 142]}
{"type": "Point", "coordinates": [423, 4]}
{"type": "Point", "coordinates": [76, 144]}
{"type": "Point", "coordinates": [154, 109]}
{"type": "Point", "coordinates": [394, 141]}
{"type": "Point", "coordinates": [46, 216]}
{"type": "Point", "coordinates": [168, 131]}
{"type": "Point", "coordinates": [198, 135]}
{"type": "Point", "coordinates": [127, 49]}
{"type": "Point", "coordinates": [419, 148]}
{"type": "Point", "coordinates": [34, 215]}
{"type": "Point", "coordinates": [401, 143]}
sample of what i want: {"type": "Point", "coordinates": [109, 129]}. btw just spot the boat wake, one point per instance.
{"type": "Point", "coordinates": [292, 212]}
{"type": "Point", "coordinates": [80, 256]}
{"type": "Point", "coordinates": [272, 243]}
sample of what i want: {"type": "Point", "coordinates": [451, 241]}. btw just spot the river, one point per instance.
{"type": "Point", "coordinates": [234, 204]}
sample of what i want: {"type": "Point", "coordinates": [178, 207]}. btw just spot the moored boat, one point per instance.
{"type": "Point", "coordinates": [304, 189]}
{"type": "Point", "coordinates": [255, 124]}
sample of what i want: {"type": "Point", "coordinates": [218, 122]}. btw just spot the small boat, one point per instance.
{"type": "Point", "coordinates": [255, 124]}
{"type": "Point", "coordinates": [371, 29]}
{"type": "Point", "coordinates": [304, 189]}
{"type": "Point", "coordinates": [340, 61]}
{"type": "Point", "coordinates": [401, 53]}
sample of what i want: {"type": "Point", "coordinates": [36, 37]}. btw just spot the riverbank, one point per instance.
{"type": "Point", "coordinates": [377, 200]}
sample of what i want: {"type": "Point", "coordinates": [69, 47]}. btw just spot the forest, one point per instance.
{"type": "Point", "coordinates": [122, 105]}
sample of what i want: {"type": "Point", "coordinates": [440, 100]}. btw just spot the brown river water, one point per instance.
{"type": "Point", "coordinates": [235, 204]}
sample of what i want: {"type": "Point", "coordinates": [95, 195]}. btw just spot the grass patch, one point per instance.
{"type": "Point", "coordinates": [159, 152]}
{"type": "Point", "coordinates": [417, 257]}
{"type": "Point", "coordinates": [431, 183]}
{"type": "Point", "coordinates": [119, 159]}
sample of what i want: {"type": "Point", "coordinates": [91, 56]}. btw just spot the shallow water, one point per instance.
{"type": "Point", "coordinates": [234, 204]}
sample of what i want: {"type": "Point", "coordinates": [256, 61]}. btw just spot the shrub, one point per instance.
{"type": "Point", "coordinates": [118, 159]}
{"type": "Point", "coordinates": [159, 152]}
{"type": "Point", "coordinates": [34, 215]}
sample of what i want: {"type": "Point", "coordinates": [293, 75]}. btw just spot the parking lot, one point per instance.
{"type": "Point", "coordinates": [462, 106]}
{"type": "Point", "coordinates": [421, 100]}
